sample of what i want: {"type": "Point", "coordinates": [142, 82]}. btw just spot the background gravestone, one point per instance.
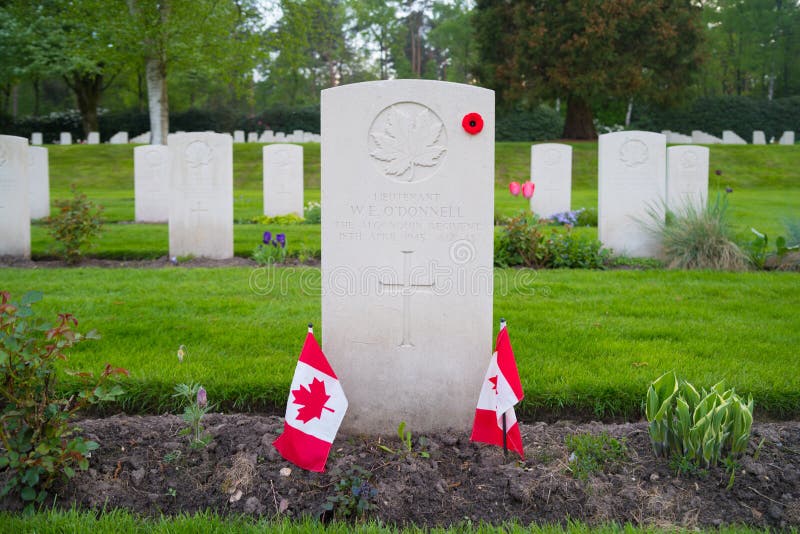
{"type": "Point", "coordinates": [687, 177]}
{"type": "Point", "coordinates": [759, 138]}
{"type": "Point", "coordinates": [631, 181]}
{"type": "Point", "coordinates": [151, 168]}
{"type": "Point", "coordinates": [238, 136]}
{"type": "Point", "coordinates": [201, 195]}
{"type": "Point", "coordinates": [38, 182]}
{"type": "Point", "coordinates": [36, 138]}
{"type": "Point", "coordinates": [729, 137]}
{"type": "Point", "coordinates": [407, 251]}
{"type": "Point", "coordinates": [283, 179]}
{"type": "Point", "coordinates": [119, 138]}
{"type": "Point", "coordinates": [93, 138]}
{"type": "Point", "coordinates": [15, 215]}
{"type": "Point", "coordinates": [551, 171]}
{"type": "Point", "coordinates": [787, 138]}
{"type": "Point", "coordinates": [65, 138]}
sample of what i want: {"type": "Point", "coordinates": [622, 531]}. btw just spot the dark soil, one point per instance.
{"type": "Point", "coordinates": [163, 262]}
{"type": "Point", "coordinates": [144, 466]}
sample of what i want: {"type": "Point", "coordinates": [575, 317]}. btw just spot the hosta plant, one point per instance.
{"type": "Point", "coordinates": [703, 427]}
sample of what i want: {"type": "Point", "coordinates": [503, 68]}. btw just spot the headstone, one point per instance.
{"type": "Point", "coordinates": [141, 139]}
{"type": "Point", "coordinates": [38, 182]}
{"type": "Point", "coordinates": [252, 137]}
{"type": "Point", "coordinates": [36, 138]}
{"type": "Point", "coordinates": [759, 138]}
{"type": "Point", "coordinates": [151, 182]}
{"type": "Point", "coordinates": [687, 177]}
{"type": "Point", "coordinates": [298, 134]}
{"type": "Point", "coordinates": [729, 137]}
{"type": "Point", "coordinates": [283, 179]}
{"type": "Point", "coordinates": [280, 137]}
{"type": "Point", "coordinates": [201, 195]}
{"type": "Point", "coordinates": [267, 137]}
{"type": "Point", "coordinates": [702, 138]}
{"type": "Point", "coordinates": [238, 136]}
{"type": "Point", "coordinates": [551, 171]}
{"type": "Point", "coordinates": [15, 215]}
{"type": "Point", "coordinates": [787, 138]}
{"type": "Point", "coordinates": [119, 138]}
{"type": "Point", "coordinates": [308, 137]}
{"type": "Point", "coordinates": [93, 138]}
{"type": "Point", "coordinates": [317, 138]}
{"type": "Point", "coordinates": [65, 138]}
{"type": "Point", "coordinates": [631, 182]}
{"type": "Point", "coordinates": [677, 138]}
{"type": "Point", "coordinates": [407, 254]}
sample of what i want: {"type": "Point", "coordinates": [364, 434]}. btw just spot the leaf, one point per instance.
{"type": "Point", "coordinates": [312, 398]}
{"type": "Point", "coordinates": [405, 143]}
{"type": "Point", "coordinates": [28, 493]}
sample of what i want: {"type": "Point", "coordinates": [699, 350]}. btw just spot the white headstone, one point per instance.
{"type": "Point", "coordinates": [38, 182]}
{"type": "Point", "coordinates": [407, 254]}
{"type": "Point", "coordinates": [238, 136]}
{"type": "Point", "coordinates": [687, 177]}
{"type": "Point", "coordinates": [317, 138]}
{"type": "Point", "coordinates": [151, 182]}
{"type": "Point", "coordinates": [551, 172]}
{"type": "Point", "coordinates": [36, 138]}
{"type": "Point", "coordinates": [283, 179]}
{"type": "Point", "coordinates": [93, 138]}
{"type": "Point", "coordinates": [729, 137]}
{"type": "Point", "coordinates": [267, 137]}
{"type": "Point", "coordinates": [119, 138]}
{"type": "Point", "coordinates": [677, 138]}
{"type": "Point", "coordinates": [201, 195]}
{"type": "Point", "coordinates": [631, 181]}
{"type": "Point", "coordinates": [787, 138]}
{"type": "Point", "coordinates": [15, 215]}
{"type": "Point", "coordinates": [308, 137]}
{"type": "Point", "coordinates": [702, 138]}
{"type": "Point", "coordinates": [759, 138]}
{"type": "Point", "coordinates": [252, 137]}
{"type": "Point", "coordinates": [65, 138]}
{"type": "Point", "coordinates": [141, 139]}
{"type": "Point", "coordinates": [280, 136]}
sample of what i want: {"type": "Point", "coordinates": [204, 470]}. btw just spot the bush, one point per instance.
{"type": "Point", "coordinates": [39, 443]}
{"type": "Point", "coordinates": [571, 251]}
{"type": "Point", "coordinates": [76, 224]}
{"type": "Point", "coordinates": [694, 238]}
{"type": "Point", "coordinates": [590, 454]}
{"type": "Point", "coordinates": [702, 427]}
{"type": "Point", "coordinates": [540, 124]}
{"type": "Point", "coordinates": [313, 213]}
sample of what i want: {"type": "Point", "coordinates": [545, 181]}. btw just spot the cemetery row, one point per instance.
{"type": "Point", "coordinates": [729, 137]}
{"type": "Point", "coordinates": [121, 138]}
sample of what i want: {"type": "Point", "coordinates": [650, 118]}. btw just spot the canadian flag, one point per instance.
{"type": "Point", "coordinates": [314, 411]}
{"type": "Point", "coordinates": [500, 391]}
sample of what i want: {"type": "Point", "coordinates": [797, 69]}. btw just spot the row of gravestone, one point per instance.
{"type": "Point", "coordinates": [729, 137]}
{"type": "Point", "coordinates": [121, 138]}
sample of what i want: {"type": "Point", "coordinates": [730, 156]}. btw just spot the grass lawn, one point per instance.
{"type": "Point", "coordinates": [585, 341]}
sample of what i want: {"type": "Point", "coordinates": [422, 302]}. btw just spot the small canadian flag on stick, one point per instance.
{"type": "Point", "coordinates": [495, 421]}
{"type": "Point", "coordinates": [314, 411]}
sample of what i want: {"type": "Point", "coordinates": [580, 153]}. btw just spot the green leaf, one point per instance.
{"type": "Point", "coordinates": [30, 297]}
{"type": "Point", "coordinates": [27, 493]}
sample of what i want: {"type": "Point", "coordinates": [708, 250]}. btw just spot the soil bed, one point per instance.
{"type": "Point", "coordinates": [144, 466]}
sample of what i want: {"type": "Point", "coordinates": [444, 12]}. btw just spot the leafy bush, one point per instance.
{"type": "Point", "coordinates": [587, 217]}
{"type": "Point", "coordinates": [313, 213]}
{"type": "Point", "coordinates": [694, 238]}
{"type": "Point", "coordinates": [702, 427]}
{"type": "Point", "coordinates": [540, 124]}
{"type": "Point", "coordinates": [38, 443]}
{"type": "Point", "coordinates": [76, 224]}
{"type": "Point", "coordinates": [354, 495]}
{"type": "Point", "coordinates": [289, 218]}
{"type": "Point", "coordinates": [591, 454]}
{"type": "Point", "coordinates": [570, 251]}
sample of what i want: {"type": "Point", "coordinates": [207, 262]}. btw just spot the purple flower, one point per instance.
{"type": "Point", "coordinates": [729, 189]}
{"type": "Point", "coordinates": [202, 399]}
{"type": "Point", "coordinates": [267, 237]}
{"type": "Point", "coordinates": [281, 239]}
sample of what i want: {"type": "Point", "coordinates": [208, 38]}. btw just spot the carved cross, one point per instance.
{"type": "Point", "coordinates": [406, 289]}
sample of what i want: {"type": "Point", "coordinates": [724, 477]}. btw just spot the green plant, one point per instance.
{"type": "Point", "coordinates": [568, 250]}
{"type": "Point", "coordinates": [703, 427]}
{"type": "Point", "coordinates": [354, 495]}
{"type": "Point", "coordinates": [683, 466]}
{"type": "Point", "coordinates": [587, 217]}
{"type": "Point", "coordinates": [407, 443]}
{"type": "Point", "coordinates": [313, 213]}
{"type": "Point", "coordinates": [289, 218]}
{"type": "Point", "coordinates": [757, 249]}
{"type": "Point", "coordinates": [74, 226]}
{"type": "Point", "coordinates": [271, 250]}
{"type": "Point", "coordinates": [591, 454]}
{"type": "Point", "coordinates": [195, 401]}
{"type": "Point", "coordinates": [698, 238]}
{"type": "Point", "coordinates": [39, 443]}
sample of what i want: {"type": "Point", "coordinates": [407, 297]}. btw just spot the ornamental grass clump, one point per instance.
{"type": "Point", "coordinates": [698, 238]}
{"type": "Point", "coordinates": [702, 427]}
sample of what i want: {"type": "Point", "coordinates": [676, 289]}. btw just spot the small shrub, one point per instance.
{"type": "Point", "coordinates": [591, 454]}
{"type": "Point", "coordinates": [39, 445]}
{"type": "Point", "coordinates": [703, 427]}
{"type": "Point", "coordinates": [694, 238]}
{"type": "Point", "coordinates": [570, 251]}
{"type": "Point", "coordinates": [195, 407]}
{"type": "Point", "coordinates": [354, 495]}
{"type": "Point", "coordinates": [287, 219]}
{"type": "Point", "coordinates": [74, 227]}
{"type": "Point", "coordinates": [587, 217]}
{"type": "Point", "coordinates": [313, 213]}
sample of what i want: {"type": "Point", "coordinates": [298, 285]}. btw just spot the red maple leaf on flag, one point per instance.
{"type": "Point", "coordinates": [312, 398]}
{"type": "Point", "coordinates": [493, 380]}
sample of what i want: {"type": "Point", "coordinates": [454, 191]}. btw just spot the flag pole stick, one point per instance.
{"type": "Point", "coordinates": [505, 434]}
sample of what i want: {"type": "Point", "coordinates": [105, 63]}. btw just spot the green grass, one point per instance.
{"type": "Point", "coordinates": [123, 522]}
{"type": "Point", "coordinates": [585, 341]}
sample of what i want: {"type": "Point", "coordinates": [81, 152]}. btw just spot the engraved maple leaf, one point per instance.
{"type": "Point", "coordinates": [312, 398]}
{"type": "Point", "coordinates": [408, 142]}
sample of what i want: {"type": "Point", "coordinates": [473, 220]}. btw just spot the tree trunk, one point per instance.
{"type": "Point", "coordinates": [88, 88]}
{"type": "Point", "coordinates": [158, 105]}
{"type": "Point", "coordinates": [578, 124]}
{"type": "Point", "coordinates": [37, 91]}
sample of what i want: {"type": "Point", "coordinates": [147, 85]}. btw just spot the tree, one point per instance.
{"type": "Point", "coordinates": [452, 37]}
{"type": "Point", "coordinates": [215, 36]}
{"type": "Point", "coordinates": [377, 22]}
{"type": "Point", "coordinates": [583, 50]}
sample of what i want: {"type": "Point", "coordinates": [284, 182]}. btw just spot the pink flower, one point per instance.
{"type": "Point", "coordinates": [202, 399]}
{"type": "Point", "coordinates": [513, 188]}
{"type": "Point", "coordinates": [527, 189]}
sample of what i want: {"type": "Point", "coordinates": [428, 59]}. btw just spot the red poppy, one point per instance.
{"type": "Point", "coordinates": [472, 123]}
